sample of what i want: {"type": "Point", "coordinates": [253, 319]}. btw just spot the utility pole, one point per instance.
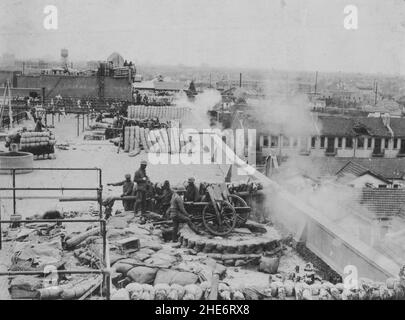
{"type": "Point", "coordinates": [7, 95]}
{"type": "Point", "coordinates": [240, 80]}
{"type": "Point", "coordinates": [375, 92]}
{"type": "Point", "coordinates": [316, 81]}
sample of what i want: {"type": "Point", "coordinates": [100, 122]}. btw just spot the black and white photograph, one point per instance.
{"type": "Point", "coordinates": [219, 151]}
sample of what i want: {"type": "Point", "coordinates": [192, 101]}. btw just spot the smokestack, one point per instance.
{"type": "Point", "coordinates": [240, 80]}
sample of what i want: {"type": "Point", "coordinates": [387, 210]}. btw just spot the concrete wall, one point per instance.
{"type": "Point", "coordinates": [76, 86]}
{"type": "Point", "coordinates": [8, 75]}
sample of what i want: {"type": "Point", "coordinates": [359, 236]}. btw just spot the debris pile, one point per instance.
{"type": "Point", "coordinates": [144, 267]}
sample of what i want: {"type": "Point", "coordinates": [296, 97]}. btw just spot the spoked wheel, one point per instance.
{"type": "Point", "coordinates": [222, 225]}
{"type": "Point", "coordinates": [241, 207]}
{"type": "Point", "coordinates": [196, 224]}
{"type": "Point", "coordinates": [195, 212]}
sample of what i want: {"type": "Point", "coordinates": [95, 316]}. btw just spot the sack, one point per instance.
{"type": "Point", "coordinates": [181, 278]}
{"type": "Point", "coordinates": [142, 274]}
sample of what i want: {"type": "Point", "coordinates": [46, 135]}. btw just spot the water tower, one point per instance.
{"type": "Point", "coordinates": [64, 54]}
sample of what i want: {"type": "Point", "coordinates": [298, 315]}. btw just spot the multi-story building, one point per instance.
{"type": "Point", "coordinates": [330, 136]}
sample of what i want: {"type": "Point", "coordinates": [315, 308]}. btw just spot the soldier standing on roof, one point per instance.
{"type": "Point", "coordinates": [192, 192]}
{"type": "Point", "coordinates": [141, 180]}
{"type": "Point", "coordinates": [178, 214]}
{"type": "Point", "coordinates": [127, 190]}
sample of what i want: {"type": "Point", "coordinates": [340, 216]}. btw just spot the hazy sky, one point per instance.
{"type": "Point", "coordinates": [280, 34]}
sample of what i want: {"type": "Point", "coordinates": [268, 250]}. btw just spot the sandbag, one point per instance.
{"type": "Point", "coordinates": [181, 278]}
{"type": "Point", "coordinates": [142, 274]}
{"type": "Point", "coordinates": [123, 267]}
{"type": "Point", "coordinates": [30, 257]}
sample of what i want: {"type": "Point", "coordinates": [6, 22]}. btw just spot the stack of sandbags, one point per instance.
{"type": "Point", "coordinates": [161, 112]}
{"type": "Point", "coordinates": [147, 138]}
{"type": "Point", "coordinates": [165, 139]}
{"type": "Point", "coordinates": [142, 132]}
{"type": "Point", "coordinates": [126, 138]}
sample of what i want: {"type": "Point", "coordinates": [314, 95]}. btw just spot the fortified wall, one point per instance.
{"type": "Point", "coordinates": [76, 86]}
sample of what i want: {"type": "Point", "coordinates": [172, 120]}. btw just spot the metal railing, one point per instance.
{"type": "Point", "coordinates": [5, 122]}
{"type": "Point", "coordinates": [103, 228]}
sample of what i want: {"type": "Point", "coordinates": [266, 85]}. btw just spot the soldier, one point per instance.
{"type": "Point", "coordinates": [141, 180]}
{"type": "Point", "coordinates": [127, 190]}
{"type": "Point", "coordinates": [164, 198]}
{"type": "Point", "coordinates": [192, 192]}
{"type": "Point", "coordinates": [178, 214]}
{"type": "Point", "coordinates": [39, 125]}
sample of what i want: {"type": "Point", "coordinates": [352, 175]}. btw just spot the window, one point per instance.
{"type": "Point", "coordinates": [340, 142]}
{"type": "Point", "coordinates": [313, 142]}
{"type": "Point", "coordinates": [294, 142]}
{"type": "Point", "coordinates": [274, 141]}
{"type": "Point", "coordinates": [386, 143]}
{"type": "Point", "coordinates": [369, 143]}
{"type": "Point", "coordinates": [360, 142]}
{"type": "Point", "coordinates": [395, 143]}
{"type": "Point", "coordinates": [265, 141]}
{"type": "Point", "coordinates": [322, 142]}
{"type": "Point", "coordinates": [349, 142]}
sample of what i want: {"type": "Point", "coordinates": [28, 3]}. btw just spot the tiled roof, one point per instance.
{"type": "Point", "coordinates": [384, 203]}
{"type": "Point", "coordinates": [336, 126]}
{"type": "Point", "coordinates": [398, 126]}
{"type": "Point", "coordinates": [388, 168]}
{"type": "Point", "coordinates": [352, 168]}
{"type": "Point", "coordinates": [342, 126]}
{"type": "Point", "coordinates": [357, 170]}
{"type": "Point", "coordinates": [315, 167]}
{"type": "Point", "coordinates": [374, 126]}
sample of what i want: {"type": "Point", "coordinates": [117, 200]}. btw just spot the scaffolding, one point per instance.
{"type": "Point", "coordinates": [105, 271]}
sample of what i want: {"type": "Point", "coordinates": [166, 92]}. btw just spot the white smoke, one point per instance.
{"type": "Point", "coordinates": [204, 102]}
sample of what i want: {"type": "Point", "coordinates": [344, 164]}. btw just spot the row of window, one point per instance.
{"type": "Point", "coordinates": [273, 142]}
{"type": "Point", "coordinates": [349, 142]}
